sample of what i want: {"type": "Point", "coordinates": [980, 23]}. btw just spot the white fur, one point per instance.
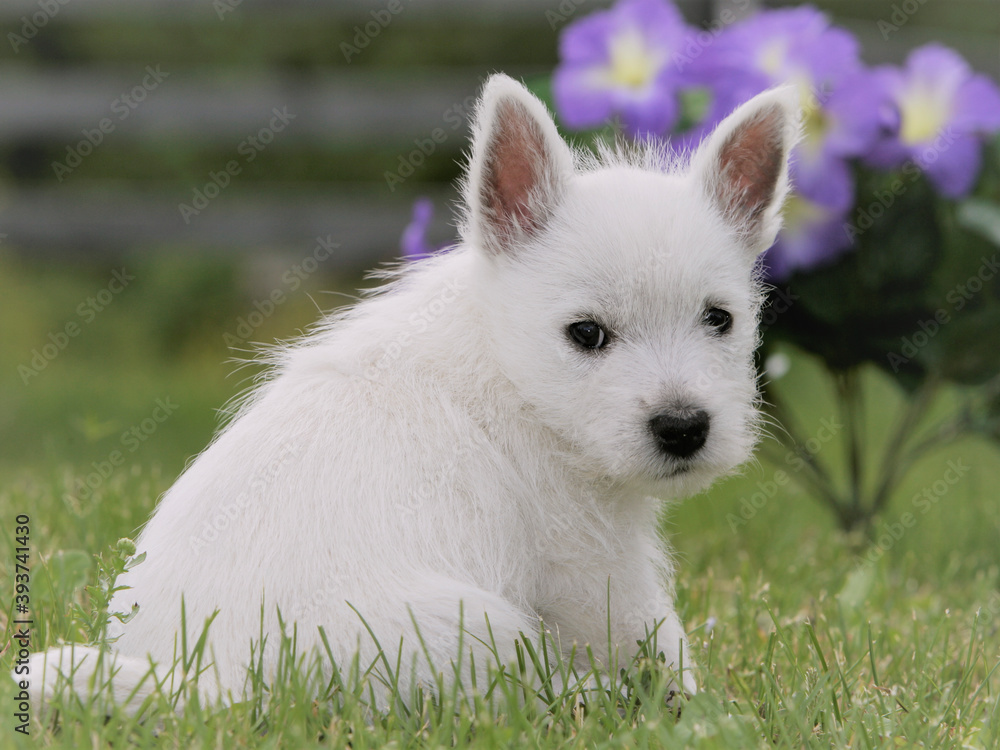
{"type": "Point", "coordinates": [444, 445]}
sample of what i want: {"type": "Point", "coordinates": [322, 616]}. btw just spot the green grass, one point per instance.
{"type": "Point", "coordinates": [796, 642]}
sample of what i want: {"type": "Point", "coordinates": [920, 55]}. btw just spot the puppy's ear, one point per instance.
{"type": "Point", "coordinates": [518, 168]}
{"type": "Point", "coordinates": [743, 165]}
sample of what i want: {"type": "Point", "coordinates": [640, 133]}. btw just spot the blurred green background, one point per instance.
{"type": "Point", "coordinates": [205, 78]}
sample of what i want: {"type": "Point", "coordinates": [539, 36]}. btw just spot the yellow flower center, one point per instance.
{"type": "Point", "coordinates": [923, 113]}
{"type": "Point", "coordinates": [772, 57]}
{"type": "Point", "coordinates": [799, 213]}
{"type": "Point", "coordinates": [815, 123]}
{"type": "Point", "coordinates": [633, 64]}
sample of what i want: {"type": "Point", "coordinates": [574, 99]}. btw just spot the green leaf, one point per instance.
{"type": "Point", "coordinates": [858, 308]}
{"type": "Point", "coordinates": [858, 587]}
{"type": "Point", "coordinates": [981, 216]}
{"type": "Point", "coordinates": [964, 350]}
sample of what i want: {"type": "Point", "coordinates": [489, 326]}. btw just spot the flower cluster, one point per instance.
{"type": "Point", "coordinates": [640, 63]}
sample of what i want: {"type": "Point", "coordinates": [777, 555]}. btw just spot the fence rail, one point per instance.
{"type": "Point", "coordinates": [82, 89]}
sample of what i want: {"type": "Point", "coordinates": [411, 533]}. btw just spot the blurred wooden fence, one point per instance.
{"type": "Point", "coordinates": [116, 114]}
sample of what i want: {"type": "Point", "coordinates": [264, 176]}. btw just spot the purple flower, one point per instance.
{"type": "Point", "coordinates": [813, 235]}
{"type": "Point", "coordinates": [938, 112]}
{"type": "Point", "coordinates": [841, 103]}
{"type": "Point", "coordinates": [798, 46]}
{"type": "Point", "coordinates": [791, 45]}
{"type": "Point", "coordinates": [618, 62]}
{"type": "Point", "coordinates": [413, 242]}
{"type": "Point", "coordinates": [846, 123]}
{"type": "Point", "coordinates": [636, 61]}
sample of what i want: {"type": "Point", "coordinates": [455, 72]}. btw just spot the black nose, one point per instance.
{"type": "Point", "coordinates": [678, 435]}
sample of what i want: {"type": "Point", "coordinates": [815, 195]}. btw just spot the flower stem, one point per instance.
{"type": "Point", "coordinates": [812, 479]}
{"type": "Point", "coordinates": [894, 465]}
{"type": "Point", "coordinates": [852, 406]}
{"type": "Point", "coordinates": [816, 477]}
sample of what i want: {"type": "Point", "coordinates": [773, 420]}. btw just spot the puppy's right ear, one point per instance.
{"type": "Point", "coordinates": [743, 165]}
{"type": "Point", "coordinates": [518, 168]}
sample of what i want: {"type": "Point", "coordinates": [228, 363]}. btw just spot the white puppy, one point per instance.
{"type": "Point", "coordinates": [486, 437]}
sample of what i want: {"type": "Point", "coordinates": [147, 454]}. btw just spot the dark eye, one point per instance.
{"type": "Point", "coordinates": [587, 334]}
{"type": "Point", "coordinates": [719, 319]}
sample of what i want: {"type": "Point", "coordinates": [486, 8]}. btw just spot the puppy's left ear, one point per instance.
{"type": "Point", "coordinates": [743, 165]}
{"type": "Point", "coordinates": [518, 168]}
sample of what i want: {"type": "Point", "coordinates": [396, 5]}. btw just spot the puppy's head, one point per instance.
{"type": "Point", "coordinates": [621, 299]}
